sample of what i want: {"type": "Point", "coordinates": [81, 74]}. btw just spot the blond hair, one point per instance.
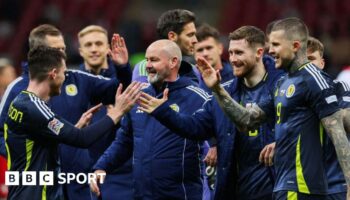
{"type": "Point", "coordinates": [91, 29]}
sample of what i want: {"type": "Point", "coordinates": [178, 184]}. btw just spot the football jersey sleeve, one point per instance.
{"type": "Point", "coordinates": [320, 92]}
{"type": "Point", "coordinates": [343, 94]}
{"type": "Point", "coordinates": [43, 124]}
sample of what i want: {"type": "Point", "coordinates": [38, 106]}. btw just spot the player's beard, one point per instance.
{"type": "Point", "coordinates": [55, 89]}
{"type": "Point", "coordinates": [244, 70]}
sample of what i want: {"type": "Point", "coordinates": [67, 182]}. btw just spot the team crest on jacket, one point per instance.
{"type": "Point", "coordinates": [175, 107]}
{"type": "Point", "coordinates": [71, 90]}
{"type": "Point", "coordinates": [55, 126]}
{"type": "Point", "coordinates": [290, 91]}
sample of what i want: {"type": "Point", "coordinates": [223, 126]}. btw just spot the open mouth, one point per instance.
{"type": "Point", "coordinates": [151, 72]}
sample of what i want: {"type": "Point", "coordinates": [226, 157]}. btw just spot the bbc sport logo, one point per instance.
{"type": "Point", "coordinates": [15, 178]}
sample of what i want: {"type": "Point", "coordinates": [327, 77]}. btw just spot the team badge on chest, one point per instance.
{"type": "Point", "coordinates": [175, 107]}
{"type": "Point", "coordinates": [71, 90]}
{"type": "Point", "coordinates": [290, 91]}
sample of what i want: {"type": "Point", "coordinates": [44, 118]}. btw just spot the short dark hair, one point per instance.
{"type": "Point", "coordinates": [314, 44]}
{"type": "Point", "coordinates": [269, 28]}
{"type": "Point", "coordinates": [42, 59]}
{"type": "Point", "coordinates": [173, 20]}
{"type": "Point", "coordinates": [37, 36]}
{"type": "Point", "coordinates": [205, 30]}
{"type": "Point", "coordinates": [252, 34]}
{"type": "Point", "coordinates": [294, 28]}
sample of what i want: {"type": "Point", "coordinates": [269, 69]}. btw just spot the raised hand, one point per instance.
{"type": "Point", "coordinates": [87, 116]}
{"type": "Point", "coordinates": [148, 103]}
{"type": "Point", "coordinates": [99, 177]}
{"type": "Point", "coordinates": [124, 101]}
{"type": "Point", "coordinates": [118, 51]}
{"type": "Point", "coordinates": [210, 76]}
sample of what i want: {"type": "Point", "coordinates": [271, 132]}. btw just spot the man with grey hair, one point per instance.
{"type": "Point", "coordinates": [166, 166]}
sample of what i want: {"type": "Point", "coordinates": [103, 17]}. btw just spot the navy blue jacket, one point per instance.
{"type": "Point", "coordinates": [166, 166]}
{"type": "Point", "coordinates": [226, 76]}
{"type": "Point", "coordinates": [210, 121]}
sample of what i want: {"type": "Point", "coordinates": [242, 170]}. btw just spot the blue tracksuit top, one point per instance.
{"type": "Point", "coordinates": [226, 76]}
{"type": "Point", "coordinates": [210, 121]}
{"type": "Point", "coordinates": [165, 166]}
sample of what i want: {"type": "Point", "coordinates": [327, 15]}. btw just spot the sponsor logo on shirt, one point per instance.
{"type": "Point", "coordinates": [71, 90]}
{"type": "Point", "coordinates": [290, 91]}
{"type": "Point", "coordinates": [55, 126]}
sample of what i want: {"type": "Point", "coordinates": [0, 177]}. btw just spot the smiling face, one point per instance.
{"type": "Point", "coordinates": [157, 66]}
{"type": "Point", "coordinates": [242, 57]}
{"type": "Point", "coordinates": [94, 49]}
{"type": "Point", "coordinates": [281, 49]}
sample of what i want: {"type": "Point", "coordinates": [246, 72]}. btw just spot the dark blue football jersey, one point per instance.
{"type": "Point", "coordinates": [254, 178]}
{"type": "Point", "coordinates": [335, 176]}
{"type": "Point", "coordinates": [301, 99]}
{"type": "Point", "coordinates": [32, 134]}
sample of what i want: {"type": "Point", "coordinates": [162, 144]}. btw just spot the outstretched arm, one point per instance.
{"type": "Point", "coordinates": [198, 126]}
{"type": "Point", "coordinates": [244, 118]}
{"type": "Point", "coordinates": [334, 127]}
{"type": "Point", "coordinates": [346, 119]}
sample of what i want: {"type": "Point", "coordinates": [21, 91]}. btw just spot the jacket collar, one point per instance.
{"type": "Point", "coordinates": [181, 82]}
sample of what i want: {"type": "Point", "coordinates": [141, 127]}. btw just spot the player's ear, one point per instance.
{"type": "Point", "coordinates": [322, 63]}
{"type": "Point", "coordinates": [296, 45]}
{"type": "Point", "coordinates": [259, 52]}
{"type": "Point", "coordinates": [173, 62]}
{"type": "Point", "coordinates": [52, 73]}
{"type": "Point", "coordinates": [172, 36]}
{"type": "Point", "coordinates": [221, 48]}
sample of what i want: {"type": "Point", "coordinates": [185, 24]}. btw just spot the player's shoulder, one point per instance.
{"type": "Point", "coordinates": [74, 73]}
{"type": "Point", "coordinates": [342, 85]}
{"type": "Point", "coordinates": [33, 105]}
{"type": "Point", "coordinates": [313, 76]}
{"type": "Point", "coordinates": [198, 92]}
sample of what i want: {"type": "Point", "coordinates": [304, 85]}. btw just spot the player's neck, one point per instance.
{"type": "Point", "coordinates": [255, 76]}
{"type": "Point", "coordinates": [219, 66]}
{"type": "Point", "coordinates": [42, 89]}
{"type": "Point", "coordinates": [96, 69]}
{"type": "Point", "coordinates": [297, 62]}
